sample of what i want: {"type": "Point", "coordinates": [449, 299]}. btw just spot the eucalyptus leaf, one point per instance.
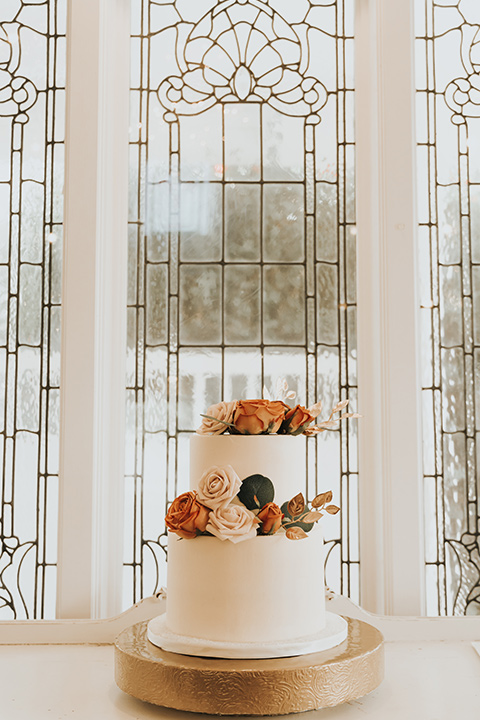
{"type": "Point", "coordinates": [256, 491]}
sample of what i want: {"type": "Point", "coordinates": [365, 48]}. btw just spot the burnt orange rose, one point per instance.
{"type": "Point", "coordinates": [254, 417]}
{"type": "Point", "coordinates": [296, 420]}
{"type": "Point", "coordinates": [186, 515]}
{"type": "Point", "coordinates": [271, 518]}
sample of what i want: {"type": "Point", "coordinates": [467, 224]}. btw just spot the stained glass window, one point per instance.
{"type": "Point", "coordinates": [242, 245]}
{"type": "Point", "coordinates": [448, 133]}
{"type": "Point", "coordinates": [32, 98]}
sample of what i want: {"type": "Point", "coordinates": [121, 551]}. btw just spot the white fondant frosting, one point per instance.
{"type": "Point", "coordinates": [267, 589]}
{"type": "Point", "coordinates": [282, 458]}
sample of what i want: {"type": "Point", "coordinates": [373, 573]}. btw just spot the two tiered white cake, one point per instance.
{"type": "Point", "coordinates": [263, 596]}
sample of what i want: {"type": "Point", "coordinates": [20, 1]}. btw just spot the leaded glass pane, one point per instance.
{"type": "Point", "coordinates": [242, 236]}
{"type": "Point", "coordinates": [242, 305]}
{"type": "Point", "coordinates": [242, 206]}
{"type": "Point", "coordinates": [283, 223]}
{"type": "Point", "coordinates": [448, 137]}
{"type": "Point", "coordinates": [32, 119]}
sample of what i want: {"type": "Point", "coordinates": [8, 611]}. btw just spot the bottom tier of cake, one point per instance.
{"type": "Point", "coordinates": [268, 589]}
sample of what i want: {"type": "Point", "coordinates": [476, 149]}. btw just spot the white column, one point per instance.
{"type": "Point", "coordinates": [94, 310]}
{"type": "Point", "coordinates": [391, 534]}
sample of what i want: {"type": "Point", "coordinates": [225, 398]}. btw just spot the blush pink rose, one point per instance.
{"type": "Point", "coordinates": [218, 486]}
{"type": "Point", "coordinates": [233, 522]}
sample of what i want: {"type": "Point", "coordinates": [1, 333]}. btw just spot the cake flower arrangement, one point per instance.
{"type": "Point", "coordinates": [236, 510]}
{"type": "Point", "coordinates": [268, 417]}
{"type": "Point", "coordinates": [229, 509]}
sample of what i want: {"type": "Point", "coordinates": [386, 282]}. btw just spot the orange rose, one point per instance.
{"type": "Point", "coordinates": [185, 516]}
{"type": "Point", "coordinates": [254, 417]}
{"type": "Point", "coordinates": [296, 420]}
{"type": "Point", "coordinates": [271, 518]}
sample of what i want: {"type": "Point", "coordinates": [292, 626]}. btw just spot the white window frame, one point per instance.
{"type": "Point", "coordinates": [92, 395]}
{"type": "Point", "coordinates": [94, 302]}
{"type": "Point", "coordinates": [391, 478]}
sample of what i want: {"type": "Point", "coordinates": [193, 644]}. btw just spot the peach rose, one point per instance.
{"type": "Point", "coordinates": [220, 411]}
{"type": "Point", "coordinates": [296, 420]}
{"type": "Point", "coordinates": [233, 522]}
{"type": "Point", "coordinates": [271, 518]}
{"type": "Point", "coordinates": [253, 417]}
{"type": "Point", "coordinates": [186, 516]}
{"type": "Point", "coordinates": [217, 486]}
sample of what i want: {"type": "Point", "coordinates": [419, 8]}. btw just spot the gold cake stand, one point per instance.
{"type": "Point", "coordinates": [250, 687]}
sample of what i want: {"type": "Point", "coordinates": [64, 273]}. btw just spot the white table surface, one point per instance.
{"type": "Point", "coordinates": [424, 680]}
{"type": "Point", "coordinates": [432, 670]}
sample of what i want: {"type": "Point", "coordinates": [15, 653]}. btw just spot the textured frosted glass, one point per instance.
{"type": "Point", "coordinates": [282, 143]}
{"type": "Point", "coordinates": [157, 316]}
{"type": "Point", "coordinates": [242, 222]}
{"type": "Point", "coordinates": [56, 259]}
{"type": "Point", "coordinates": [476, 305]}
{"type": "Point", "coordinates": [155, 465]}
{"type": "Point", "coordinates": [31, 224]}
{"type": "Point", "coordinates": [475, 221]}
{"type": "Point", "coordinates": [327, 304]}
{"type": "Point", "coordinates": [284, 304]}
{"type": "Point", "coordinates": [53, 431]}
{"type": "Point", "coordinates": [352, 345]}
{"type": "Point", "coordinates": [157, 224]}
{"type": "Point", "coordinates": [455, 484]}
{"type": "Point", "coordinates": [326, 144]}
{"type": "Point", "coordinates": [155, 398]}
{"type": "Point", "coordinates": [243, 372]}
{"type": "Point", "coordinates": [451, 300]}
{"type": "Point", "coordinates": [351, 266]}
{"type": "Point", "coordinates": [327, 369]}
{"type": "Point", "coordinates": [55, 346]}
{"type": "Point", "coordinates": [327, 246]}
{"type": "Point", "coordinates": [33, 156]}
{"type": "Point", "coordinates": [283, 223]}
{"type": "Point", "coordinates": [201, 222]}
{"type": "Point", "coordinates": [201, 143]}
{"type": "Point", "coordinates": [454, 393]}
{"type": "Point", "coordinates": [24, 501]}
{"type": "Point", "coordinates": [242, 142]}
{"type": "Point", "coordinates": [199, 384]}
{"type": "Point", "coordinates": [350, 184]}
{"type": "Point", "coordinates": [288, 363]}
{"type": "Point", "coordinates": [4, 220]}
{"type": "Point", "coordinates": [28, 388]}
{"type": "Point", "coordinates": [449, 237]}
{"type": "Point", "coordinates": [3, 304]}
{"type": "Point", "coordinates": [158, 162]}
{"type": "Point", "coordinates": [200, 305]}
{"type": "Point", "coordinates": [242, 305]}
{"type": "Point", "coordinates": [30, 310]}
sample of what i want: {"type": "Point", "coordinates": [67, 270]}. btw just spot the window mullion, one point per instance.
{"type": "Point", "coordinates": [94, 302]}
{"type": "Point", "coordinates": [389, 387]}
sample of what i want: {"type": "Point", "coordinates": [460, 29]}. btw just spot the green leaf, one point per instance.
{"type": "Point", "coordinates": [288, 521]}
{"type": "Point", "coordinates": [256, 491]}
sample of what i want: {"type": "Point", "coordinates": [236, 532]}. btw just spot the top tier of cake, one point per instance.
{"type": "Point", "coordinates": [282, 458]}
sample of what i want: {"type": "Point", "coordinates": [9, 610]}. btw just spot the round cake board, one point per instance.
{"type": "Point", "coordinates": [250, 687]}
{"type": "Point", "coordinates": [334, 632]}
